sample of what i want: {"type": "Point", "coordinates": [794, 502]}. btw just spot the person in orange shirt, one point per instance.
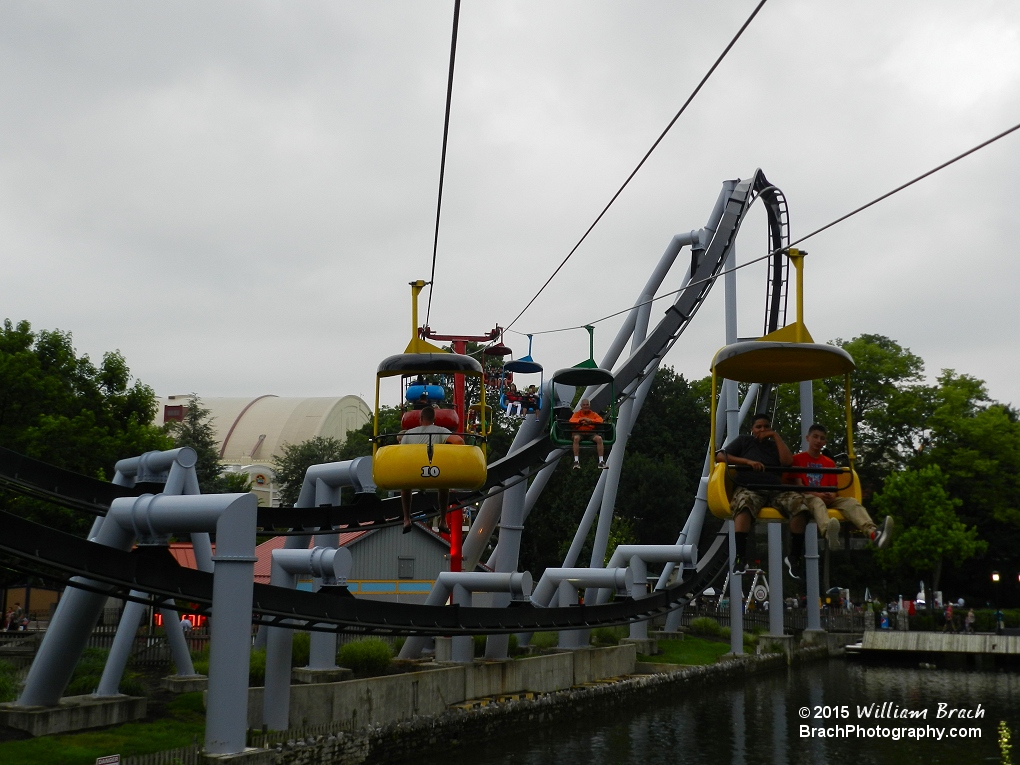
{"type": "Point", "coordinates": [583, 423]}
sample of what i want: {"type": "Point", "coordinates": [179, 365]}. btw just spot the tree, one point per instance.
{"type": "Point", "coordinates": [930, 532]}
{"type": "Point", "coordinates": [196, 431]}
{"type": "Point", "coordinates": [62, 409]}
{"type": "Point", "coordinates": [294, 460]}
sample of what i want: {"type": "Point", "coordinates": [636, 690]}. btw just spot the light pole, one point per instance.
{"type": "Point", "coordinates": [995, 589]}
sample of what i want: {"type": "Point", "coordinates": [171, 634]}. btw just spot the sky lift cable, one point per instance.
{"type": "Point", "coordinates": [442, 162]}
{"type": "Point", "coordinates": [804, 238]}
{"type": "Point", "coordinates": [655, 145]}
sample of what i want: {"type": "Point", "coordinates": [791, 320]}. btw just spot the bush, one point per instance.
{"type": "Point", "coordinates": [545, 639]}
{"type": "Point", "coordinates": [300, 649]}
{"type": "Point", "coordinates": [607, 635]}
{"type": "Point", "coordinates": [257, 668]}
{"type": "Point", "coordinates": [705, 625]}
{"type": "Point", "coordinates": [370, 656]}
{"type": "Point", "coordinates": [256, 665]}
{"type": "Point", "coordinates": [8, 682]}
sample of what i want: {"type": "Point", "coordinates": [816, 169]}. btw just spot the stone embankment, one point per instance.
{"type": "Point", "coordinates": [401, 740]}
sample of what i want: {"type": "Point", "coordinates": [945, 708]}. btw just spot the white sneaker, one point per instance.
{"type": "Point", "coordinates": [881, 536]}
{"type": "Point", "coordinates": [832, 534]}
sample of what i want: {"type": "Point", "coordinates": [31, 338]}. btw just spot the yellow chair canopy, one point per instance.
{"type": "Point", "coordinates": [765, 361]}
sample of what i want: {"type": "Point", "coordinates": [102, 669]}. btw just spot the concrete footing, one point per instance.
{"type": "Point", "coordinates": [783, 644]}
{"type": "Point", "coordinates": [73, 713]}
{"type": "Point", "coordinates": [185, 683]}
{"type": "Point", "coordinates": [645, 646]}
{"type": "Point", "coordinates": [308, 675]}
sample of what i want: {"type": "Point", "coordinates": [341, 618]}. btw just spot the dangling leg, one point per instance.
{"type": "Point", "coordinates": [444, 503]}
{"type": "Point", "coordinates": [405, 505]}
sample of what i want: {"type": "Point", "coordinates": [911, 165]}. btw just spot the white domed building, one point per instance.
{"type": "Point", "coordinates": [252, 431]}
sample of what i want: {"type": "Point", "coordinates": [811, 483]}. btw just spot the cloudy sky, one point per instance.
{"type": "Point", "coordinates": [236, 194]}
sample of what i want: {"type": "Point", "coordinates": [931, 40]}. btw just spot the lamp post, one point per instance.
{"type": "Point", "coordinates": [995, 589]}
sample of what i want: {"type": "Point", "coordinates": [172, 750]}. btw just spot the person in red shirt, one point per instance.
{"type": "Point", "coordinates": [817, 504]}
{"type": "Point", "coordinates": [583, 423]}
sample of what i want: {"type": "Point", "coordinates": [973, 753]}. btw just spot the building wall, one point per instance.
{"type": "Point", "coordinates": [393, 566]}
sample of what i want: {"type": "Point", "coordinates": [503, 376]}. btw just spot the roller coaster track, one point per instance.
{"type": "Point", "coordinates": [153, 571]}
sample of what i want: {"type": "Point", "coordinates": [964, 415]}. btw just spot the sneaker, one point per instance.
{"type": "Point", "coordinates": [739, 567]}
{"type": "Point", "coordinates": [577, 466]}
{"type": "Point", "coordinates": [832, 534]}
{"type": "Point", "coordinates": [792, 567]}
{"type": "Point", "coordinates": [881, 536]}
{"type": "Point", "coordinates": [603, 466]}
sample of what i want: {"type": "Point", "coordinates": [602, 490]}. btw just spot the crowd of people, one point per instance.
{"type": "Point", "coordinates": [16, 619]}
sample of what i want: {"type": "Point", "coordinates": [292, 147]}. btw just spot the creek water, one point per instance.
{"type": "Point", "coordinates": [758, 720]}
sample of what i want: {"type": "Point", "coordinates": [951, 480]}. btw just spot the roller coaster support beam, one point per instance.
{"type": "Point", "coordinates": [492, 509]}
{"type": "Point", "coordinates": [692, 527]}
{"type": "Point", "coordinates": [736, 599]}
{"type": "Point", "coordinates": [233, 518]}
{"type": "Point", "coordinates": [330, 564]}
{"type": "Point", "coordinates": [775, 537]}
{"type": "Point", "coordinates": [567, 583]}
{"type": "Point", "coordinates": [814, 621]}
{"type": "Point", "coordinates": [637, 557]}
{"type": "Point", "coordinates": [807, 417]}
{"type": "Point", "coordinates": [461, 585]}
{"type": "Point", "coordinates": [321, 486]}
{"type": "Point", "coordinates": [175, 469]}
{"type": "Point", "coordinates": [511, 525]}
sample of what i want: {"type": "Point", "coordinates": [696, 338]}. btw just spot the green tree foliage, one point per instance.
{"type": "Point", "coordinates": [196, 431]}
{"type": "Point", "coordinates": [62, 409]}
{"type": "Point", "coordinates": [930, 531]}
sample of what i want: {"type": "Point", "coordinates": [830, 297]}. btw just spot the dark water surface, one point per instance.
{"type": "Point", "coordinates": [759, 719]}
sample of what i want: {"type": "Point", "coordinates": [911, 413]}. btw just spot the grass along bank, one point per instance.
{"type": "Point", "coordinates": [184, 723]}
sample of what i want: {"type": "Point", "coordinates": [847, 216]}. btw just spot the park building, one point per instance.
{"type": "Point", "coordinates": [251, 431]}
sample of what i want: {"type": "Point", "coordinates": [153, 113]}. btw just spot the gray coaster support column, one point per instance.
{"type": "Point", "coordinates": [333, 566]}
{"type": "Point", "coordinates": [814, 621]}
{"type": "Point", "coordinates": [518, 584]}
{"type": "Point", "coordinates": [775, 532]}
{"type": "Point", "coordinates": [736, 600]}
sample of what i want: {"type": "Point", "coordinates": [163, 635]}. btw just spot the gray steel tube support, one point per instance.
{"type": "Point", "coordinates": [518, 584]}
{"type": "Point", "coordinates": [492, 508]}
{"type": "Point", "coordinates": [120, 650]}
{"type": "Point", "coordinates": [814, 621]}
{"type": "Point", "coordinates": [333, 566]}
{"type": "Point", "coordinates": [736, 601]}
{"type": "Point", "coordinates": [123, 642]}
{"type": "Point", "coordinates": [230, 641]}
{"type": "Point", "coordinates": [775, 534]}
{"type": "Point", "coordinates": [152, 465]}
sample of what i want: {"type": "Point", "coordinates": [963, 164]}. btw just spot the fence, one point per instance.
{"type": "Point", "coordinates": [185, 755]}
{"type": "Point", "coordinates": [273, 738]}
{"type": "Point", "coordinates": [832, 619]}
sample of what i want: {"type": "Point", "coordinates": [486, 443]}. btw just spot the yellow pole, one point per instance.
{"type": "Point", "coordinates": [797, 258]}
{"type": "Point", "coordinates": [849, 425]}
{"type": "Point", "coordinates": [416, 288]}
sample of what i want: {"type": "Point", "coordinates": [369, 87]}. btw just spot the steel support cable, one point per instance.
{"type": "Point", "coordinates": [804, 238]}
{"type": "Point", "coordinates": [442, 161]}
{"type": "Point", "coordinates": [655, 145]}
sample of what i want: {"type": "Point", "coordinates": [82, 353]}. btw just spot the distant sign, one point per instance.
{"type": "Point", "coordinates": [110, 759]}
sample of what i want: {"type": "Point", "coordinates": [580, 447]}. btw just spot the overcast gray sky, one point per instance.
{"type": "Point", "coordinates": [236, 194]}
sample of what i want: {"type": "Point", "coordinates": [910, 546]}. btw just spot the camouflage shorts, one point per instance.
{"type": "Point", "coordinates": [786, 502]}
